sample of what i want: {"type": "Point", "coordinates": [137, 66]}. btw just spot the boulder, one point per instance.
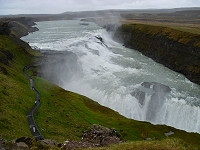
{"type": "Point", "coordinates": [48, 142]}
{"type": "Point", "coordinates": [22, 146]}
{"type": "Point", "coordinates": [96, 135]}
{"type": "Point", "coordinates": [99, 135]}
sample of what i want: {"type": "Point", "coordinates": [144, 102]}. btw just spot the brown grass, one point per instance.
{"type": "Point", "coordinates": [167, 144]}
{"type": "Point", "coordinates": [186, 27]}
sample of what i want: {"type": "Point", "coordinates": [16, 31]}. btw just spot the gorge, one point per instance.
{"type": "Point", "coordinates": [112, 74]}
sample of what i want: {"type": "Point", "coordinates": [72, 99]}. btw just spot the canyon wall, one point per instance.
{"type": "Point", "coordinates": [177, 50]}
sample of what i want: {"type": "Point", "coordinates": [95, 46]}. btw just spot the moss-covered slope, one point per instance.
{"type": "Point", "coordinates": [178, 50]}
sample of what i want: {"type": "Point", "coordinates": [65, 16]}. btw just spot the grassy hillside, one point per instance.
{"type": "Point", "coordinates": [15, 95]}
{"type": "Point", "coordinates": [62, 114]}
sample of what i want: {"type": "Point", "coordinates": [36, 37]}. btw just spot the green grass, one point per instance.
{"type": "Point", "coordinates": [62, 115]}
{"type": "Point", "coordinates": [15, 95]}
{"type": "Point", "coordinates": [166, 144]}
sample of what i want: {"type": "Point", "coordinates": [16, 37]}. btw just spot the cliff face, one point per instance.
{"type": "Point", "coordinates": [17, 26]}
{"type": "Point", "coordinates": [177, 50]}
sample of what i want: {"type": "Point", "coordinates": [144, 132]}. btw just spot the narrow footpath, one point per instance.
{"type": "Point", "coordinates": [30, 118]}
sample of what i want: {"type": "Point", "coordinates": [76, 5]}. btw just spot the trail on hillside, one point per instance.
{"type": "Point", "coordinates": [30, 118]}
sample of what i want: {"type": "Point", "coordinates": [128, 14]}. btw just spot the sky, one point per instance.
{"type": "Point", "coordinates": [8, 7]}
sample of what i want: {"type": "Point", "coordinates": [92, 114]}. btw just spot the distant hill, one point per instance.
{"type": "Point", "coordinates": [111, 13]}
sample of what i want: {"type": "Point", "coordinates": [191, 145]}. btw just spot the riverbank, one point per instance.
{"type": "Point", "coordinates": [177, 50]}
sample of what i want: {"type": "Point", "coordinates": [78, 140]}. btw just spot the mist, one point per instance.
{"type": "Point", "coordinates": [87, 61]}
{"type": "Point", "coordinates": [59, 67]}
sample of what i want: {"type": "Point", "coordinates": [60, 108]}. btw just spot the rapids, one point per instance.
{"type": "Point", "coordinates": [110, 73]}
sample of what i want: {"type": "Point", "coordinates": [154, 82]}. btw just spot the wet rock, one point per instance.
{"type": "Point", "coordinates": [99, 38]}
{"type": "Point", "coordinates": [169, 134]}
{"type": "Point", "coordinates": [146, 84]}
{"type": "Point", "coordinates": [139, 95]}
{"type": "Point", "coordinates": [84, 24]}
{"type": "Point", "coordinates": [158, 87]}
{"type": "Point", "coordinates": [157, 91]}
{"type": "Point", "coordinates": [157, 100]}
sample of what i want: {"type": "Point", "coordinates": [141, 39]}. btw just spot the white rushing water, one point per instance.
{"type": "Point", "coordinates": [111, 72]}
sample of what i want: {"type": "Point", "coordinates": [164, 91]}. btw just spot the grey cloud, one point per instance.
{"type": "Point", "coordinates": [59, 6]}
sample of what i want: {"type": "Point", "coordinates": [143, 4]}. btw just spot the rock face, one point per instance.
{"type": "Point", "coordinates": [19, 27]}
{"type": "Point", "coordinates": [177, 50]}
{"type": "Point", "coordinates": [157, 92]}
{"type": "Point", "coordinates": [96, 135]}
{"type": "Point", "coordinates": [5, 28]}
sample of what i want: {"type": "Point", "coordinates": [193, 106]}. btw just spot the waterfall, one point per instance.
{"type": "Point", "coordinates": [121, 78]}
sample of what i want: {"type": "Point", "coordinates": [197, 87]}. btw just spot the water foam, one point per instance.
{"type": "Point", "coordinates": [111, 72]}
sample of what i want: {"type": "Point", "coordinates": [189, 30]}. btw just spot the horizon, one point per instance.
{"type": "Point", "coordinates": [16, 7]}
{"type": "Point", "coordinates": [148, 9]}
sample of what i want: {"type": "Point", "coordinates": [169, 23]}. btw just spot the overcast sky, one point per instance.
{"type": "Point", "coordinates": [60, 6]}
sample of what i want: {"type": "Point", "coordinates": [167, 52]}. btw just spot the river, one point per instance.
{"type": "Point", "coordinates": [110, 73]}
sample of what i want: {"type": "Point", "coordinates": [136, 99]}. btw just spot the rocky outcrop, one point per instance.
{"type": "Point", "coordinates": [24, 143]}
{"type": "Point", "coordinates": [4, 28]}
{"type": "Point", "coordinates": [48, 142]}
{"type": "Point", "coordinates": [96, 135]}
{"type": "Point", "coordinates": [17, 26]}
{"type": "Point", "coordinates": [177, 50]}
